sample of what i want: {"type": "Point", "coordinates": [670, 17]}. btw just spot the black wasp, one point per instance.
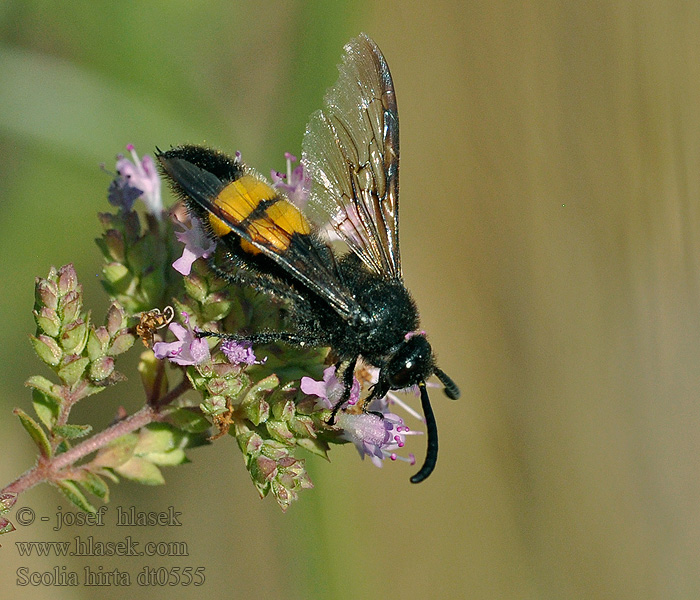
{"type": "Point", "coordinates": [355, 303]}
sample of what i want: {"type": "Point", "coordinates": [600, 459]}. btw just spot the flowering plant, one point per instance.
{"type": "Point", "coordinates": [272, 399]}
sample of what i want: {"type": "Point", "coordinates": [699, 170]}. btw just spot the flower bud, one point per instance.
{"type": "Point", "coordinates": [101, 368]}
{"type": "Point", "coordinates": [47, 320]}
{"type": "Point", "coordinates": [67, 280]}
{"type": "Point", "coordinates": [71, 372]}
{"type": "Point", "coordinates": [113, 246]}
{"type": "Point", "coordinates": [47, 349]}
{"type": "Point", "coordinates": [122, 343]}
{"type": "Point", "coordinates": [116, 319]}
{"type": "Point", "coordinates": [70, 305]}
{"type": "Point", "coordinates": [98, 341]}
{"type": "Point", "coordinates": [46, 293]}
{"type": "Point", "coordinates": [74, 337]}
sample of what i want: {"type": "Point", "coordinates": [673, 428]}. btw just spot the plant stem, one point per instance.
{"type": "Point", "coordinates": [49, 469]}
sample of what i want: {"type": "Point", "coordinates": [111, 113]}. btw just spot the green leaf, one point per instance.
{"type": "Point", "coordinates": [71, 432]}
{"type": "Point", "coordinates": [195, 288]}
{"type": "Point", "coordinates": [152, 374]}
{"type": "Point", "coordinates": [109, 474]}
{"type": "Point", "coordinates": [215, 311]}
{"type": "Point", "coordinates": [6, 526]}
{"type": "Point", "coordinates": [189, 420]}
{"type": "Point", "coordinates": [47, 349]}
{"type": "Point", "coordinates": [256, 409]}
{"type": "Point", "coordinates": [70, 306]}
{"type": "Point", "coordinates": [152, 284]}
{"type": "Point", "coordinates": [279, 431]}
{"type": "Point", "coordinates": [250, 443]}
{"type": "Point", "coordinates": [117, 453]}
{"type": "Point", "coordinates": [40, 383]}
{"type": "Point", "coordinates": [213, 406]}
{"type": "Point", "coordinates": [156, 438]}
{"type": "Point", "coordinates": [44, 385]}
{"type": "Point", "coordinates": [255, 406]}
{"type": "Point", "coordinates": [46, 407]}
{"type": "Point", "coordinates": [73, 493]}
{"type": "Point", "coordinates": [89, 389]}
{"type": "Point", "coordinates": [35, 432]}
{"type": "Point", "coordinates": [318, 447]}
{"type": "Point", "coordinates": [118, 278]}
{"type": "Point", "coordinates": [116, 319]}
{"type": "Point", "coordinates": [48, 321]}
{"type": "Point", "coordinates": [7, 501]}
{"type": "Point", "coordinates": [262, 387]}
{"type": "Point", "coordinates": [122, 342]}
{"type": "Point", "coordinates": [141, 255]}
{"type": "Point", "coordinates": [98, 340]}
{"type": "Point", "coordinates": [141, 470]}
{"type": "Point", "coordinates": [72, 371]}
{"type": "Point", "coordinates": [101, 368]}
{"type": "Point", "coordinates": [74, 337]}
{"type": "Point", "coordinates": [170, 458]}
{"type": "Point", "coordinates": [95, 485]}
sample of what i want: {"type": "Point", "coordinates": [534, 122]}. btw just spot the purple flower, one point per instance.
{"type": "Point", "coordinates": [140, 175]}
{"type": "Point", "coordinates": [330, 390]}
{"type": "Point", "coordinates": [121, 194]}
{"type": "Point", "coordinates": [295, 183]}
{"type": "Point", "coordinates": [197, 244]}
{"type": "Point", "coordinates": [393, 398]}
{"type": "Point", "coordinates": [187, 350]}
{"type": "Point", "coordinates": [240, 353]}
{"type": "Point", "coordinates": [375, 436]}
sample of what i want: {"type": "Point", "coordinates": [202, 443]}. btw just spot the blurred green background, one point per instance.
{"type": "Point", "coordinates": [550, 209]}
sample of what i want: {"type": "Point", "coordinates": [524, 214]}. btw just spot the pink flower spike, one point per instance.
{"type": "Point", "coordinates": [187, 350]}
{"type": "Point", "coordinates": [376, 434]}
{"type": "Point", "coordinates": [330, 390]}
{"type": "Point", "coordinates": [296, 184]}
{"type": "Point", "coordinates": [373, 435]}
{"type": "Point", "coordinates": [197, 245]}
{"type": "Point", "coordinates": [143, 176]}
{"type": "Point", "coordinates": [240, 353]}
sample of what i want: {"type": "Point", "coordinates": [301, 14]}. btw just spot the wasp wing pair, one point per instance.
{"type": "Point", "coordinates": [355, 303]}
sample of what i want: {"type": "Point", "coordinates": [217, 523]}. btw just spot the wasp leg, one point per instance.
{"type": "Point", "coordinates": [265, 337]}
{"type": "Point", "coordinates": [348, 376]}
{"type": "Point", "coordinates": [259, 281]}
{"type": "Point", "coordinates": [378, 390]}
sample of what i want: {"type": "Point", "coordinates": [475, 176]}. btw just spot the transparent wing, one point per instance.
{"type": "Point", "coordinates": [351, 149]}
{"type": "Point", "coordinates": [273, 227]}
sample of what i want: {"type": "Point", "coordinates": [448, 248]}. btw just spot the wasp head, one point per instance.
{"type": "Point", "coordinates": [410, 365]}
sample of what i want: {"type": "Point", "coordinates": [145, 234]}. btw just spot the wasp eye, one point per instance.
{"type": "Point", "coordinates": [412, 362]}
{"type": "Point", "coordinates": [401, 378]}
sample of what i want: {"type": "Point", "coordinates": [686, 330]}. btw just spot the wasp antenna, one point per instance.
{"type": "Point", "coordinates": [451, 389]}
{"type": "Point", "coordinates": [432, 451]}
